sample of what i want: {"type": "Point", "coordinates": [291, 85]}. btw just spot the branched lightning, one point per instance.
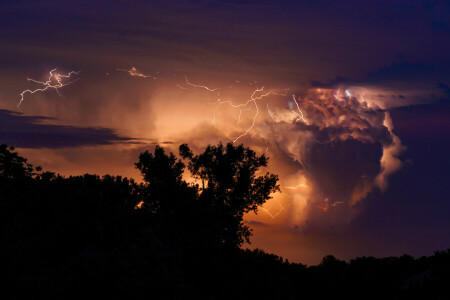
{"type": "Point", "coordinates": [253, 99]}
{"type": "Point", "coordinates": [246, 106]}
{"type": "Point", "coordinates": [55, 81]}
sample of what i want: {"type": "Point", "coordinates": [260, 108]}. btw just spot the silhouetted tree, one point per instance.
{"type": "Point", "coordinates": [213, 213]}
{"type": "Point", "coordinates": [230, 187]}
{"type": "Point", "coordinates": [12, 165]}
{"type": "Point", "coordinates": [168, 198]}
{"type": "Point", "coordinates": [165, 186]}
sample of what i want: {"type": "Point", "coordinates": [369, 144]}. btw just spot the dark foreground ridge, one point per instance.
{"type": "Point", "coordinates": [110, 237]}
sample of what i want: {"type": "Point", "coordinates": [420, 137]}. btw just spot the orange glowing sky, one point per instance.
{"type": "Point", "coordinates": [171, 111]}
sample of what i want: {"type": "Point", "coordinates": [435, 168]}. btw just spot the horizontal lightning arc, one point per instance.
{"type": "Point", "coordinates": [296, 187]}
{"type": "Point", "coordinates": [200, 86]}
{"type": "Point", "coordinates": [135, 73]}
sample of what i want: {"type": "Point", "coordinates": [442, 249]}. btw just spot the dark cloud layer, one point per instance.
{"type": "Point", "coordinates": [299, 41]}
{"type": "Point", "coordinates": [30, 132]}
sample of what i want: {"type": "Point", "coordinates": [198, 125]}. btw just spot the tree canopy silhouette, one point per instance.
{"type": "Point", "coordinates": [68, 237]}
{"type": "Point", "coordinates": [12, 165]}
{"type": "Point", "coordinates": [229, 189]}
{"type": "Point", "coordinates": [230, 186]}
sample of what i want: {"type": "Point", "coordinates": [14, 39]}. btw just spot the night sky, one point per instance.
{"type": "Point", "coordinates": [354, 114]}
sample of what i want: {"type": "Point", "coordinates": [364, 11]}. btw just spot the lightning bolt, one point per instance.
{"type": "Point", "coordinates": [271, 114]}
{"type": "Point", "coordinates": [220, 102]}
{"type": "Point", "coordinates": [244, 106]}
{"type": "Point", "coordinates": [55, 81]}
{"type": "Point", "coordinates": [273, 216]}
{"type": "Point", "coordinates": [300, 113]}
{"type": "Point", "coordinates": [296, 187]}
{"type": "Point", "coordinates": [135, 73]}
{"type": "Point", "coordinates": [200, 86]}
{"type": "Point", "coordinates": [253, 100]}
{"type": "Point", "coordinates": [240, 113]}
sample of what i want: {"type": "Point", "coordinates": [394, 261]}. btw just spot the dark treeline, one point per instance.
{"type": "Point", "coordinates": [111, 237]}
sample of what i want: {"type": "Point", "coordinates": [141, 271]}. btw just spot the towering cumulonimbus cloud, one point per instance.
{"type": "Point", "coordinates": [342, 148]}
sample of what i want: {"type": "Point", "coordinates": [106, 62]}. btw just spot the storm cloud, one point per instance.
{"type": "Point", "coordinates": [31, 132]}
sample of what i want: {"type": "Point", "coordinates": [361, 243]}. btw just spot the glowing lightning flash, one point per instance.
{"type": "Point", "coordinates": [273, 216]}
{"type": "Point", "coordinates": [240, 113]}
{"type": "Point", "coordinates": [54, 81]}
{"type": "Point", "coordinates": [244, 106]}
{"type": "Point", "coordinates": [271, 114]}
{"type": "Point", "coordinates": [297, 186]}
{"type": "Point", "coordinates": [253, 100]}
{"type": "Point", "coordinates": [135, 73]}
{"type": "Point", "coordinates": [347, 92]}
{"type": "Point", "coordinates": [300, 113]}
{"type": "Point", "coordinates": [200, 86]}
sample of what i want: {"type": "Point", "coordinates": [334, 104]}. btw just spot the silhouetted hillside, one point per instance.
{"type": "Point", "coordinates": [85, 236]}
